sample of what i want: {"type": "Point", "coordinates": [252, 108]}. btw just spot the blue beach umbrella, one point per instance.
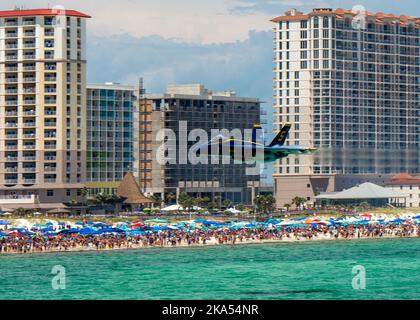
{"type": "Point", "coordinates": [4, 223]}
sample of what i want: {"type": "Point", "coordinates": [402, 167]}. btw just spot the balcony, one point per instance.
{"type": "Point", "coordinates": [29, 79]}
{"type": "Point", "coordinates": [29, 181]}
{"type": "Point", "coordinates": [50, 180]}
{"type": "Point", "coordinates": [11, 125]}
{"type": "Point", "coordinates": [50, 169]}
{"type": "Point", "coordinates": [18, 199]}
{"type": "Point", "coordinates": [49, 33]}
{"type": "Point", "coordinates": [11, 80]}
{"type": "Point", "coordinates": [10, 35]}
{"type": "Point", "coordinates": [29, 45]}
{"type": "Point", "coordinates": [11, 91]}
{"type": "Point", "coordinates": [29, 135]}
{"type": "Point", "coordinates": [29, 112]}
{"type": "Point", "coordinates": [29, 101]}
{"type": "Point", "coordinates": [11, 46]}
{"type": "Point", "coordinates": [29, 22]}
{"type": "Point", "coordinates": [50, 146]}
{"type": "Point", "coordinates": [29, 90]}
{"type": "Point", "coordinates": [29, 124]}
{"type": "Point", "coordinates": [50, 158]}
{"type": "Point", "coordinates": [29, 68]}
{"type": "Point", "coordinates": [29, 57]}
{"type": "Point", "coordinates": [11, 147]}
{"type": "Point", "coordinates": [50, 124]}
{"type": "Point", "coordinates": [29, 169]}
{"type": "Point", "coordinates": [50, 113]}
{"type": "Point", "coordinates": [11, 57]}
{"type": "Point", "coordinates": [11, 181]}
{"type": "Point", "coordinates": [29, 147]}
{"type": "Point", "coordinates": [11, 136]}
{"type": "Point", "coordinates": [11, 102]}
{"type": "Point", "coordinates": [29, 33]}
{"type": "Point", "coordinates": [11, 169]}
{"type": "Point", "coordinates": [10, 24]}
{"type": "Point", "coordinates": [50, 79]}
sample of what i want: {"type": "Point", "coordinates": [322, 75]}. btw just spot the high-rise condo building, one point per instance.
{"type": "Point", "coordinates": [42, 106]}
{"type": "Point", "coordinates": [109, 136]}
{"type": "Point", "coordinates": [348, 82]}
{"type": "Point", "coordinates": [198, 108]}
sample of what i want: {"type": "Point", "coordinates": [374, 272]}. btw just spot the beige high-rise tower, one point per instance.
{"type": "Point", "coordinates": [348, 83]}
{"type": "Point", "coordinates": [42, 107]}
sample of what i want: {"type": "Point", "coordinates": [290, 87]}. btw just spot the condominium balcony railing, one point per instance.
{"type": "Point", "coordinates": [29, 57]}
{"type": "Point", "coordinates": [29, 124]}
{"type": "Point", "coordinates": [11, 136]}
{"type": "Point", "coordinates": [50, 158]}
{"type": "Point", "coordinates": [50, 180]}
{"type": "Point", "coordinates": [11, 80]}
{"type": "Point", "coordinates": [29, 68]}
{"type": "Point", "coordinates": [50, 113]}
{"type": "Point", "coordinates": [11, 113]}
{"type": "Point", "coordinates": [29, 34]}
{"type": "Point", "coordinates": [11, 24]}
{"type": "Point", "coordinates": [29, 45]}
{"type": "Point", "coordinates": [11, 181]}
{"type": "Point", "coordinates": [11, 91]}
{"type": "Point", "coordinates": [11, 46]}
{"type": "Point", "coordinates": [29, 101]}
{"type": "Point", "coordinates": [50, 169]}
{"type": "Point", "coordinates": [50, 146]}
{"type": "Point", "coordinates": [28, 22]}
{"type": "Point", "coordinates": [11, 147]}
{"type": "Point", "coordinates": [29, 169]}
{"type": "Point", "coordinates": [29, 135]}
{"type": "Point", "coordinates": [30, 112]}
{"type": "Point", "coordinates": [11, 125]}
{"type": "Point", "coordinates": [29, 181]}
{"type": "Point", "coordinates": [11, 170]}
{"type": "Point", "coordinates": [50, 79]}
{"type": "Point", "coordinates": [29, 158]}
{"type": "Point", "coordinates": [29, 79]}
{"type": "Point", "coordinates": [29, 147]}
{"type": "Point", "coordinates": [11, 58]}
{"type": "Point", "coordinates": [11, 35]}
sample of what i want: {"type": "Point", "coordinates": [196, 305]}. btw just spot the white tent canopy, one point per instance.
{"type": "Point", "coordinates": [364, 191]}
{"type": "Point", "coordinates": [177, 207]}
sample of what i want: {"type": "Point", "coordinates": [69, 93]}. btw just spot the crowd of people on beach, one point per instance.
{"type": "Point", "coordinates": [172, 238]}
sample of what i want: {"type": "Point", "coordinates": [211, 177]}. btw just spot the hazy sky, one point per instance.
{"type": "Point", "coordinates": [224, 44]}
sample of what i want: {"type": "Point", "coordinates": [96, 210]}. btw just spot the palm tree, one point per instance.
{"type": "Point", "coordinates": [156, 199]}
{"type": "Point", "coordinates": [170, 198]}
{"type": "Point", "coordinates": [84, 192]}
{"type": "Point", "coordinates": [20, 212]}
{"type": "Point", "coordinates": [298, 201]}
{"type": "Point", "coordinates": [217, 201]}
{"type": "Point", "coordinates": [227, 203]}
{"type": "Point", "coordinates": [287, 206]}
{"type": "Point", "coordinates": [265, 204]}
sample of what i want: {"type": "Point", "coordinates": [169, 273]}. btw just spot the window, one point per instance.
{"type": "Point", "coordinates": [304, 24]}
{"type": "Point", "coordinates": [68, 192]}
{"type": "Point", "coordinates": [50, 193]}
{"type": "Point", "coordinates": [326, 22]}
{"type": "Point", "coordinates": [303, 45]}
{"type": "Point", "coordinates": [316, 22]}
{"type": "Point", "coordinates": [304, 64]}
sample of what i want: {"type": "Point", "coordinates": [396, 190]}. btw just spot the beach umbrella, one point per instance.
{"type": "Point", "coordinates": [4, 223]}
{"type": "Point", "coordinates": [37, 213]}
{"type": "Point", "coordinates": [110, 230]}
{"type": "Point", "coordinates": [46, 229]}
{"type": "Point", "coordinates": [7, 214]}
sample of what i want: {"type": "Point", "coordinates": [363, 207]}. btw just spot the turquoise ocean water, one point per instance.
{"type": "Point", "coordinates": [321, 270]}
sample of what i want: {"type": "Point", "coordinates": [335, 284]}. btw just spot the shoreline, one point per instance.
{"type": "Point", "coordinates": [212, 243]}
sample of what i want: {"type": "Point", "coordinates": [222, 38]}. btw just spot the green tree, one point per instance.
{"type": "Point", "coordinates": [170, 198]}
{"type": "Point", "coordinates": [84, 193]}
{"type": "Point", "coordinates": [185, 201]}
{"type": "Point", "coordinates": [298, 201]}
{"type": "Point", "coordinates": [217, 202]}
{"type": "Point", "coordinates": [20, 212]}
{"type": "Point", "coordinates": [156, 199]}
{"type": "Point", "coordinates": [287, 206]}
{"type": "Point", "coordinates": [227, 203]}
{"type": "Point", "coordinates": [265, 204]}
{"type": "Point", "coordinates": [240, 207]}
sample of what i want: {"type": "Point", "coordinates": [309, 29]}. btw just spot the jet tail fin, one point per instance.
{"type": "Point", "coordinates": [281, 136]}
{"type": "Point", "coordinates": [257, 133]}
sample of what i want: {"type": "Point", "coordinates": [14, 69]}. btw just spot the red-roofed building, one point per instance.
{"type": "Point", "coordinates": [43, 106]}
{"type": "Point", "coordinates": [407, 184]}
{"type": "Point", "coordinates": [347, 82]}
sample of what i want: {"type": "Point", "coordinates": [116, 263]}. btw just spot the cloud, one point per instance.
{"type": "Point", "coordinates": [242, 66]}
